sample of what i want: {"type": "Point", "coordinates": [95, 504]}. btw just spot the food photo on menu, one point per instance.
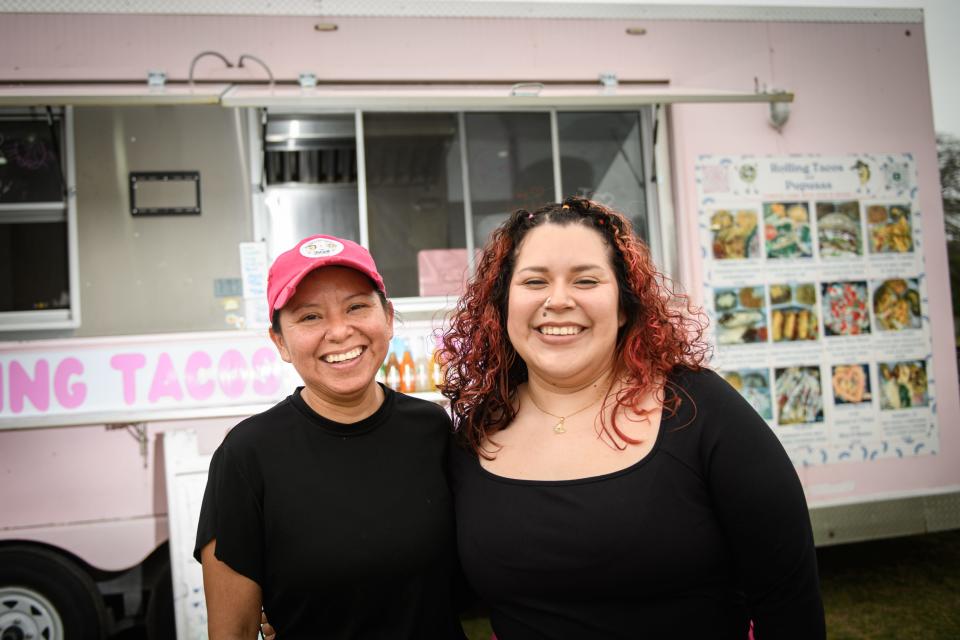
{"type": "Point", "coordinates": [838, 229]}
{"type": "Point", "coordinates": [851, 384]}
{"type": "Point", "coordinates": [845, 308]}
{"type": "Point", "coordinates": [741, 315]}
{"type": "Point", "coordinates": [793, 314]}
{"type": "Point", "coordinates": [889, 227]}
{"type": "Point", "coordinates": [799, 395]}
{"type": "Point", "coordinates": [734, 234]}
{"type": "Point", "coordinates": [896, 304]}
{"type": "Point", "coordinates": [903, 384]}
{"type": "Point", "coordinates": [787, 230]}
{"type": "Point", "coordinates": [754, 386]}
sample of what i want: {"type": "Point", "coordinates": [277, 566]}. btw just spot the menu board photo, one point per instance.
{"type": "Point", "coordinates": [816, 293]}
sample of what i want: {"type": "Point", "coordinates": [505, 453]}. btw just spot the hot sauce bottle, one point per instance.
{"type": "Point", "coordinates": [436, 369]}
{"type": "Point", "coordinates": [391, 372]}
{"type": "Point", "coordinates": [422, 360]}
{"type": "Point", "coordinates": [408, 371]}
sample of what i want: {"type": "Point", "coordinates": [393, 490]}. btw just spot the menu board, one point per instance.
{"type": "Point", "coordinates": [816, 292]}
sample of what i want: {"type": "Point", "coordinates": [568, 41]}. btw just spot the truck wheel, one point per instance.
{"type": "Point", "coordinates": [160, 619]}
{"type": "Point", "coordinates": [44, 595]}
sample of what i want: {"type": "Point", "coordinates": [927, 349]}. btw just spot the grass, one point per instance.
{"type": "Point", "coordinates": [888, 589]}
{"type": "Point", "coordinates": [477, 628]}
{"type": "Point", "coordinates": [900, 588]}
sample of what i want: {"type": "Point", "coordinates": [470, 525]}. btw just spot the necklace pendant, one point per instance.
{"type": "Point", "coordinates": [559, 428]}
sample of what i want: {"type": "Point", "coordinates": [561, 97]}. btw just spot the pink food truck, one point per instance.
{"type": "Point", "coordinates": [781, 164]}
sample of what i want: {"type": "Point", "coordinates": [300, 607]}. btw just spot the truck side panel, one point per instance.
{"type": "Point", "coordinates": [89, 490]}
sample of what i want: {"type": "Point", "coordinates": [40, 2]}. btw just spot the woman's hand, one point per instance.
{"type": "Point", "coordinates": [266, 629]}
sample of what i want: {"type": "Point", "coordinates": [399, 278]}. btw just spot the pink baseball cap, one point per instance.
{"type": "Point", "coordinates": [311, 253]}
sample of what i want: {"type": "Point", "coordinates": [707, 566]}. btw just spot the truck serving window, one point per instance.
{"type": "Point", "coordinates": [601, 157]}
{"type": "Point", "coordinates": [415, 201]}
{"type": "Point", "coordinates": [437, 183]}
{"type": "Point", "coordinates": [35, 289]}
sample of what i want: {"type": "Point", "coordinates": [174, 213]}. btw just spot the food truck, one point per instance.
{"type": "Point", "coordinates": [780, 163]}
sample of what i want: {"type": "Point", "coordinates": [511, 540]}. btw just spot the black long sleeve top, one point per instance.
{"type": "Point", "coordinates": [707, 532]}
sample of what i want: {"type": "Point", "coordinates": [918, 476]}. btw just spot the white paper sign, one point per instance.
{"type": "Point", "coordinates": [816, 290]}
{"type": "Point", "coordinates": [254, 270]}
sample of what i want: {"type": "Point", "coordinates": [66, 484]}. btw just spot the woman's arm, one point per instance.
{"type": "Point", "coordinates": [233, 600]}
{"type": "Point", "coordinates": [761, 506]}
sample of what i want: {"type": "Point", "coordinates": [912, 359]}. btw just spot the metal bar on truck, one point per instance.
{"type": "Point", "coordinates": [467, 203]}
{"type": "Point", "coordinates": [359, 141]}
{"type": "Point", "coordinates": [470, 98]}
{"type": "Point", "coordinates": [108, 95]}
{"type": "Point", "coordinates": [555, 152]}
{"type": "Point", "coordinates": [667, 221]}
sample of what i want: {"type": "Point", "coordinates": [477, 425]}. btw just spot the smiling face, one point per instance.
{"type": "Point", "coordinates": [336, 333]}
{"type": "Point", "coordinates": [563, 311]}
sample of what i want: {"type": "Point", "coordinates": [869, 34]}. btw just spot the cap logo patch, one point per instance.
{"type": "Point", "coordinates": [320, 248]}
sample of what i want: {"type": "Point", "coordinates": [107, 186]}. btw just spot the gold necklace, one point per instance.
{"type": "Point", "coordinates": [559, 428]}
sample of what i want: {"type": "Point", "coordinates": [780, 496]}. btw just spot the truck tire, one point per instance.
{"type": "Point", "coordinates": [47, 594]}
{"type": "Point", "coordinates": [160, 618]}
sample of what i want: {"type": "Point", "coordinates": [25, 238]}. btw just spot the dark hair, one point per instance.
{"type": "Point", "coordinates": [483, 371]}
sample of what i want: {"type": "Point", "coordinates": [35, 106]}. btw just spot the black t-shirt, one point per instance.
{"type": "Point", "coordinates": [705, 533]}
{"type": "Point", "coordinates": [347, 528]}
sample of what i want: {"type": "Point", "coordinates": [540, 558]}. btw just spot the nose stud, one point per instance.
{"type": "Point", "coordinates": [545, 305]}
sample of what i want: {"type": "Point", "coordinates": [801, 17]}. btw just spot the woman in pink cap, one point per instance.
{"type": "Point", "coordinates": [331, 509]}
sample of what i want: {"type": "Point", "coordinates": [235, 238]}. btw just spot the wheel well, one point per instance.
{"type": "Point", "coordinates": [125, 593]}
{"type": "Point", "coordinates": [152, 564]}
{"type": "Point", "coordinates": [93, 572]}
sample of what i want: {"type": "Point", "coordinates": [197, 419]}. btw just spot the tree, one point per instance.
{"type": "Point", "coordinates": [948, 155]}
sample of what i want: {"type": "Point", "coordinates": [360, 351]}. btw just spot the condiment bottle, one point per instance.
{"type": "Point", "coordinates": [436, 370]}
{"type": "Point", "coordinates": [422, 361]}
{"type": "Point", "coordinates": [408, 371]}
{"type": "Point", "coordinates": [392, 373]}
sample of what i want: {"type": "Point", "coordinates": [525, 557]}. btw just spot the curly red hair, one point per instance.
{"type": "Point", "coordinates": [483, 371]}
